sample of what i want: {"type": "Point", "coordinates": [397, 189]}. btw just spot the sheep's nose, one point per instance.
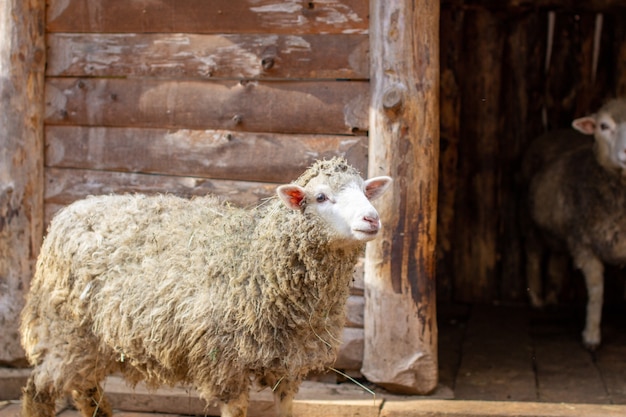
{"type": "Point", "coordinates": [373, 221]}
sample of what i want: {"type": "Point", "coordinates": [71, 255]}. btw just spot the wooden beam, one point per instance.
{"type": "Point", "coordinates": [22, 60]}
{"type": "Point", "coordinates": [323, 107]}
{"type": "Point", "coordinates": [600, 6]}
{"type": "Point", "coordinates": [400, 350]}
{"type": "Point", "coordinates": [444, 408]}
{"type": "Point", "coordinates": [186, 55]}
{"type": "Point", "coordinates": [216, 154]}
{"type": "Point", "coordinates": [198, 16]}
{"type": "Point", "coordinates": [313, 400]}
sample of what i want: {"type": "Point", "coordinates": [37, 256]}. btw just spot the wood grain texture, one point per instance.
{"type": "Point", "coordinates": [64, 186]}
{"type": "Point", "coordinates": [212, 154]}
{"type": "Point", "coordinates": [400, 314]}
{"type": "Point", "coordinates": [313, 400]}
{"type": "Point", "coordinates": [439, 408]}
{"type": "Point", "coordinates": [216, 16]}
{"type": "Point", "coordinates": [179, 56]}
{"type": "Point", "coordinates": [476, 240]}
{"type": "Point", "coordinates": [324, 107]}
{"type": "Point", "coordinates": [22, 62]}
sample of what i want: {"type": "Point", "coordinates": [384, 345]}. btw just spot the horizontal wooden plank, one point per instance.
{"type": "Point", "coordinates": [350, 355]}
{"type": "Point", "coordinates": [313, 399]}
{"type": "Point", "coordinates": [574, 6]}
{"type": "Point", "coordinates": [208, 56]}
{"type": "Point", "coordinates": [321, 107]}
{"type": "Point", "coordinates": [445, 408]}
{"type": "Point", "coordinates": [11, 383]}
{"type": "Point", "coordinates": [218, 16]}
{"type": "Point", "coordinates": [276, 158]}
{"type": "Point", "coordinates": [354, 310]}
{"type": "Point", "coordinates": [63, 186]}
{"type": "Point", "coordinates": [10, 409]}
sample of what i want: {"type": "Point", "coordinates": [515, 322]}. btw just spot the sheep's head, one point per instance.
{"type": "Point", "coordinates": [608, 125]}
{"type": "Point", "coordinates": [335, 192]}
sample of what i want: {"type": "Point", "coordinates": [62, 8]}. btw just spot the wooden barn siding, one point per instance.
{"type": "Point", "coordinates": [216, 16]}
{"type": "Point", "coordinates": [320, 107]}
{"type": "Point", "coordinates": [186, 98]}
{"type": "Point", "coordinates": [495, 89]}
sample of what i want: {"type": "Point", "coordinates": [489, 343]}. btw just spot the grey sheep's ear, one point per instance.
{"type": "Point", "coordinates": [585, 125]}
{"type": "Point", "coordinates": [292, 195]}
{"type": "Point", "coordinates": [377, 186]}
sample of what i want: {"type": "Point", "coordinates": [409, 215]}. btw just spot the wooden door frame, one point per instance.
{"type": "Point", "coordinates": [22, 66]}
{"type": "Point", "coordinates": [400, 351]}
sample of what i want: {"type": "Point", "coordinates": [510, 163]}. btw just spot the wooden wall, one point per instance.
{"type": "Point", "coordinates": [194, 96]}
{"type": "Point", "coordinates": [225, 98]}
{"type": "Point", "coordinates": [507, 75]}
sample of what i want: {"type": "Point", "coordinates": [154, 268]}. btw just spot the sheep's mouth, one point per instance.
{"type": "Point", "coordinates": [369, 232]}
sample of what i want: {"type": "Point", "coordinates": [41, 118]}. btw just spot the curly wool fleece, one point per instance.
{"type": "Point", "coordinates": [169, 290]}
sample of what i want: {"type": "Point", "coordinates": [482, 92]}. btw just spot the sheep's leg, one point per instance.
{"type": "Point", "coordinates": [557, 271]}
{"type": "Point", "coordinates": [37, 402]}
{"type": "Point", "coordinates": [593, 270]}
{"type": "Point", "coordinates": [92, 403]}
{"type": "Point", "coordinates": [533, 271]}
{"type": "Point", "coordinates": [284, 394]}
{"type": "Point", "coordinates": [236, 407]}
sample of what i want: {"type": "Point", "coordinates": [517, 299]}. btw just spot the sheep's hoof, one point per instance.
{"type": "Point", "coordinates": [591, 343]}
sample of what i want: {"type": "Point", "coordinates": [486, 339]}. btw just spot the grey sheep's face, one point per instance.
{"type": "Point", "coordinates": [347, 211]}
{"type": "Point", "coordinates": [608, 126]}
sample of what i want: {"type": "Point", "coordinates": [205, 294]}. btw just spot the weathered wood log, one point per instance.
{"type": "Point", "coordinates": [63, 186]}
{"type": "Point", "coordinates": [215, 154]}
{"type": "Point", "coordinates": [400, 350]}
{"type": "Point", "coordinates": [184, 55]}
{"type": "Point", "coordinates": [197, 16]}
{"type": "Point", "coordinates": [22, 61]}
{"type": "Point", "coordinates": [323, 107]}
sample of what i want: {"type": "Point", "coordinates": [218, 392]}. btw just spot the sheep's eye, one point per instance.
{"type": "Point", "coordinates": [604, 126]}
{"type": "Point", "coordinates": [321, 197]}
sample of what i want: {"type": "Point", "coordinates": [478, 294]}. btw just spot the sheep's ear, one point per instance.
{"type": "Point", "coordinates": [292, 195]}
{"type": "Point", "coordinates": [375, 187]}
{"type": "Point", "coordinates": [586, 125]}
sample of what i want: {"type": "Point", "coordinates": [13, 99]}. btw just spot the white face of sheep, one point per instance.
{"type": "Point", "coordinates": [610, 136]}
{"type": "Point", "coordinates": [348, 211]}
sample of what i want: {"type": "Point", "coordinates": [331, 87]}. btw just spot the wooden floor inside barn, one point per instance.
{"type": "Point", "coordinates": [519, 354]}
{"type": "Point", "coordinates": [494, 361]}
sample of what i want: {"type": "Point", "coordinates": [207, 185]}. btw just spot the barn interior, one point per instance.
{"type": "Point", "coordinates": [511, 71]}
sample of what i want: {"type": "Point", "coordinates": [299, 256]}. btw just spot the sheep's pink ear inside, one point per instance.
{"type": "Point", "coordinates": [292, 195]}
{"type": "Point", "coordinates": [586, 125]}
{"type": "Point", "coordinates": [375, 187]}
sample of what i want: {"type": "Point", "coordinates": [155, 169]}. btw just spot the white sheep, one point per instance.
{"type": "Point", "coordinates": [168, 290]}
{"type": "Point", "coordinates": [577, 197]}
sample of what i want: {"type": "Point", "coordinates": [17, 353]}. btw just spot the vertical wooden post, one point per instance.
{"type": "Point", "coordinates": [22, 61]}
{"type": "Point", "coordinates": [400, 314]}
{"type": "Point", "coordinates": [477, 216]}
